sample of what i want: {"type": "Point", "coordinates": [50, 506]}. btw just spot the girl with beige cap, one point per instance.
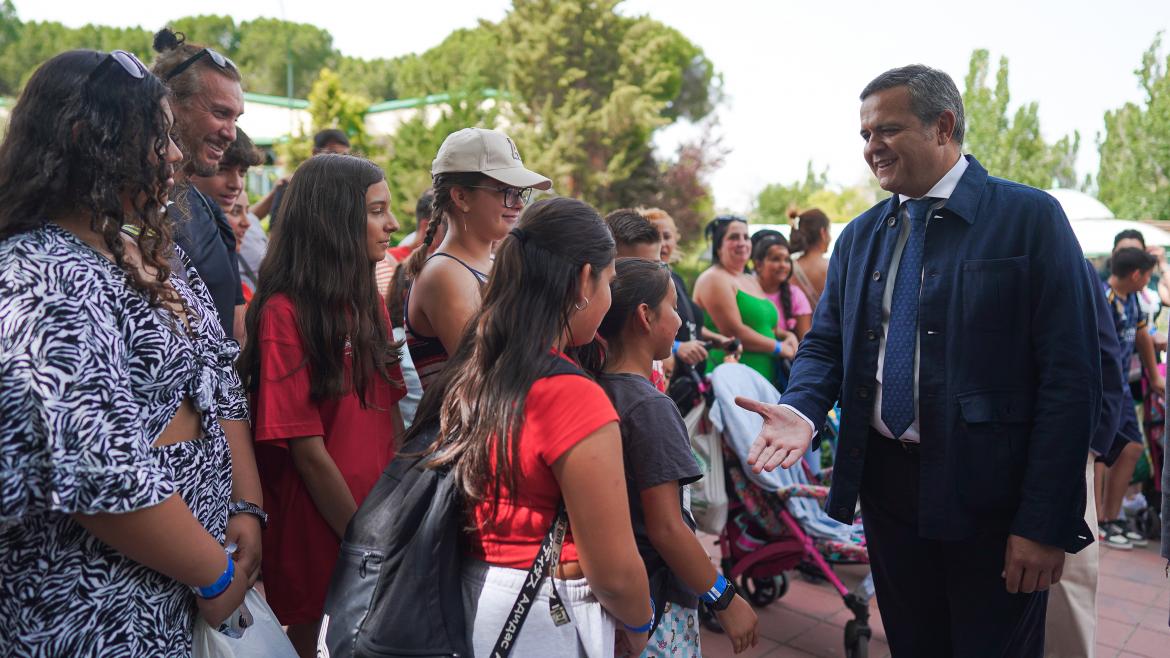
{"type": "Point", "coordinates": [481, 187]}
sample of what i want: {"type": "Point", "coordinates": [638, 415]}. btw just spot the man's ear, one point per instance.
{"type": "Point", "coordinates": [946, 127]}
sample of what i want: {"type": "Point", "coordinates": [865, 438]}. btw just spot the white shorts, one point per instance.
{"type": "Point", "coordinates": [489, 593]}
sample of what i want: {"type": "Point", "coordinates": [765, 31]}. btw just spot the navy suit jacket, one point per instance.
{"type": "Point", "coordinates": [1009, 374]}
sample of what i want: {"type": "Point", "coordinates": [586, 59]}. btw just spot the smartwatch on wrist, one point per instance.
{"type": "Point", "coordinates": [244, 507]}
{"type": "Point", "coordinates": [724, 599]}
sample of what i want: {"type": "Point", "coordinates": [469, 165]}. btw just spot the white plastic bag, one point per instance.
{"type": "Point", "coordinates": [262, 636]}
{"type": "Point", "coordinates": [708, 495]}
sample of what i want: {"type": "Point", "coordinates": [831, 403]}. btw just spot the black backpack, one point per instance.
{"type": "Point", "coordinates": [397, 587]}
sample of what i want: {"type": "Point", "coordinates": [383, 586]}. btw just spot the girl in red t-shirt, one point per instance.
{"type": "Point", "coordinates": [322, 369]}
{"type": "Point", "coordinates": [519, 444]}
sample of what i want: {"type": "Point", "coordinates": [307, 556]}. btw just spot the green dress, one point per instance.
{"type": "Point", "coordinates": [762, 316]}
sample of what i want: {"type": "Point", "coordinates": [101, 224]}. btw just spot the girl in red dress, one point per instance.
{"type": "Point", "coordinates": [322, 369]}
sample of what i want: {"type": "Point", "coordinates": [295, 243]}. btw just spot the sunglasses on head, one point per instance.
{"type": "Point", "coordinates": [216, 58]}
{"type": "Point", "coordinates": [129, 63]}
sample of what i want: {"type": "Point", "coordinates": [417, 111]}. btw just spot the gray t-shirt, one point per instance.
{"type": "Point", "coordinates": [657, 450]}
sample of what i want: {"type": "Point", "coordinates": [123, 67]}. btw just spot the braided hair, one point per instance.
{"type": "Point", "coordinates": [442, 185]}
{"type": "Point", "coordinates": [762, 242]}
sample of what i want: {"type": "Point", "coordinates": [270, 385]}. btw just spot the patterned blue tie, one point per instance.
{"type": "Point", "coordinates": [902, 336]}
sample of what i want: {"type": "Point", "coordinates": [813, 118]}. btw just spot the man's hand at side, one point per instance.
{"type": "Point", "coordinates": [783, 439]}
{"type": "Point", "coordinates": [1030, 566]}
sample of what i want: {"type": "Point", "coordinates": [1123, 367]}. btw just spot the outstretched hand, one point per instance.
{"type": "Point", "coordinates": [783, 439]}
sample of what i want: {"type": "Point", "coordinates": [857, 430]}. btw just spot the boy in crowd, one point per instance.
{"type": "Point", "coordinates": [226, 189]}
{"type": "Point", "coordinates": [1130, 272]}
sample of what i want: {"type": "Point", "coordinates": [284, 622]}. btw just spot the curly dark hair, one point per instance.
{"type": "Point", "coordinates": [317, 258]}
{"type": "Point", "coordinates": [88, 138]}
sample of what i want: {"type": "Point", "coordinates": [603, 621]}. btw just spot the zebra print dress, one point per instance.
{"type": "Point", "coordinates": [90, 375]}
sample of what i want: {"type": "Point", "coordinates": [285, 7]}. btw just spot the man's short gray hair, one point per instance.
{"type": "Point", "coordinates": [931, 93]}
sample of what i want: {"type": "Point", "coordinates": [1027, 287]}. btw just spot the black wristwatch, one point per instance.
{"type": "Point", "coordinates": [244, 507]}
{"type": "Point", "coordinates": [724, 599]}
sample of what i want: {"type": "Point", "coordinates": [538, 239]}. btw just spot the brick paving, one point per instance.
{"type": "Point", "coordinates": [1133, 608]}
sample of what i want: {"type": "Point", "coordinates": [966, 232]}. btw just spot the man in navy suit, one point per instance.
{"type": "Point", "coordinates": [958, 333]}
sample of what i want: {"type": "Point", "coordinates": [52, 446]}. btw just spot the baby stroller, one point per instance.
{"type": "Point", "coordinates": [773, 522]}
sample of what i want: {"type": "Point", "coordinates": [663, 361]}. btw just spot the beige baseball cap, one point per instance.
{"type": "Point", "coordinates": [488, 152]}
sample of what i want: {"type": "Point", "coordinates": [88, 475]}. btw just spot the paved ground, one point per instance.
{"type": "Point", "coordinates": [1133, 609]}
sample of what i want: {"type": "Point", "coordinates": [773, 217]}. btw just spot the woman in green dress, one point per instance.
{"type": "Point", "coordinates": [735, 304]}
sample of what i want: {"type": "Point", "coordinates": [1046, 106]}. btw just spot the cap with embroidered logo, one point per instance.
{"type": "Point", "coordinates": [489, 152]}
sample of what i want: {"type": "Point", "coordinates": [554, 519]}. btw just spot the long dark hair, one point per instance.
{"type": "Point", "coordinates": [762, 242]}
{"type": "Point", "coordinates": [807, 227]}
{"type": "Point", "coordinates": [79, 141]}
{"type": "Point", "coordinates": [716, 229]}
{"type": "Point", "coordinates": [318, 259]}
{"type": "Point", "coordinates": [479, 397]}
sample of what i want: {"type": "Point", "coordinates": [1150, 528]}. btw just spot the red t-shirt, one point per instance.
{"type": "Point", "coordinates": [559, 412]}
{"type": "Point", "coordinates": [299, 547]}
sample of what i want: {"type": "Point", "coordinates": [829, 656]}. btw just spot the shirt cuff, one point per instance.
{"type": "Point", "coordinates": [796, 411]}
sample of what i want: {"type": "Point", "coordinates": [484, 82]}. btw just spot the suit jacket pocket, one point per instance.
{"type": "Point", "coordinates": [991, 445]}
{"type": "Point", "coordinates": [995, 294]}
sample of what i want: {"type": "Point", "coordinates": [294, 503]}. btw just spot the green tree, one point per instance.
{"type": "Point", "coordinates": [24, 46]}
{"type": "Point", "coordinates": [1134, 178]}
{"type": "Point", "coordinates": [841, 204]}
{"type": "Point", "coordinates": [467, 59]}
{"type": "Point", "coordinates": [217, 32]}
{"type": "Point", "coordinates": [1012, 148]}
{"type": "Point", "coordinates": [589, 89]}
{"type": "Point", "coordinates": [373, 78]}
{"type": "Point", "coordinates": [330, 106]}
{"type": "Point", "coordinates": [268, 44]}
{"type": "Point", "coordinates": [683, 190]}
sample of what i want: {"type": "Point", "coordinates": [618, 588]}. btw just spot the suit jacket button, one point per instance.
{"type": "Point", "coordinates": [863, 393]}
{"type": "Point", "coordinates": [877, 276]}
{"type": "Point", "coordinates": [871, 334]}
{"type": "Point", "coordinates": [855, 452]}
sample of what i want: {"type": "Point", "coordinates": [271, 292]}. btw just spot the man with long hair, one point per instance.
{"type": "Point", "coordinates": [207, 99]}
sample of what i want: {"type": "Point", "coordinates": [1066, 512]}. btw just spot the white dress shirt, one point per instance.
{"type": "Point", "coordinates": [942, 191]}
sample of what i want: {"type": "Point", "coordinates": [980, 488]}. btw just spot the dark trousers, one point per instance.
{"type": "Point", "coordinates": [938, 598]}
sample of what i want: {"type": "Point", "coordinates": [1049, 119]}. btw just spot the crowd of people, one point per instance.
{"type": "Point", "coordinates": [192, 405]}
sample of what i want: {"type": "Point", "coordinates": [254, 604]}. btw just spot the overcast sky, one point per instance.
{"type": "Point", "coordinates": [792, 69]}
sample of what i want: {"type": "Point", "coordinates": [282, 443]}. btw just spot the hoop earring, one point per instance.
{"type": "Point", "coordinates": [578, 306]}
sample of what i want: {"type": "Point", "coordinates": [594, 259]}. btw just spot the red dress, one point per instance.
{"type": "Point", "coordinates": [300, 548]}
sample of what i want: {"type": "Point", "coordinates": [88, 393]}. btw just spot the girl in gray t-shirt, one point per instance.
{"type": "Point", "coordinates": [639, 328]}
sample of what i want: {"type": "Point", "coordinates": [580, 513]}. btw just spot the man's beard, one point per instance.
{"type": "Point", "coordinates": [192, 163]}
{"type": "Point", "coordinates": [200, 167]}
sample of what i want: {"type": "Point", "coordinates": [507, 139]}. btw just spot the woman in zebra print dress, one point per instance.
{"type": "Point", "coordinates": [116, 382]}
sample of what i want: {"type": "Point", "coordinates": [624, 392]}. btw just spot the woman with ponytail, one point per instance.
{"type": "Point", "coordinates": [735, 304]}
{"type": "Point", "coordinates": [480, 186]}
{"type": "Point", "coordinates": [521, 444]}
{"type": "Point", "coordinates": [810, 238]}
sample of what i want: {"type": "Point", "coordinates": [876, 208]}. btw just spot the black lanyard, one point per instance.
{"type": "Point", "coordinates": [546, 561]}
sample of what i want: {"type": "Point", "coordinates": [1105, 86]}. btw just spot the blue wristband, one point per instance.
{"type": "Point", "coordinates": [776, 349]}
{"type": "Point", "coordinates": [219, 586]}
{"type": "Point", "coordinates": [674, 348]}
{"type": "Point", "coordinates": [712, 595]}
{"type": "Point", "coordinates": [644, 628]}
